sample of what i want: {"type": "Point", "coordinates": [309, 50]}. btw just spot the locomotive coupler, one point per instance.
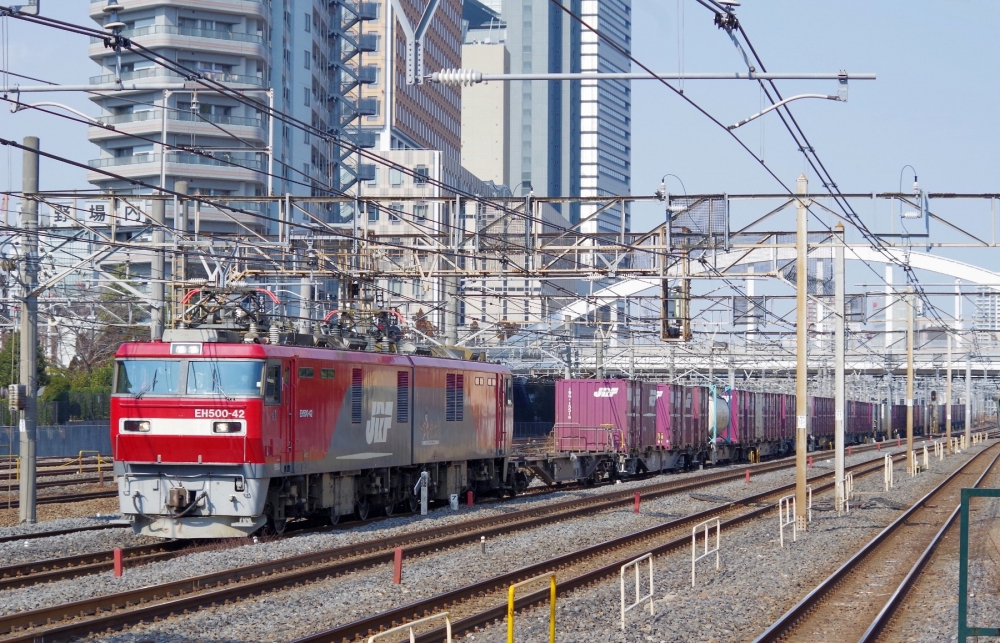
{"type": "Point", "coordinates": [179, 498]}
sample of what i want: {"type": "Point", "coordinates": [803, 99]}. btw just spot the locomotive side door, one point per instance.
{"type": "Point", "coordinates": [288, 429]}
{"type": "Point", "coordinates": [503, 392]}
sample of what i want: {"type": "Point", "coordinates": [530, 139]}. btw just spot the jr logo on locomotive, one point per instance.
{"type": "Point", "coordinates": [380, 422]}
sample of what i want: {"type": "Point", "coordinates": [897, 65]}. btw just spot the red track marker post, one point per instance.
{"type": "Point", "coordinates": [878, 446]}
{"type": "Point", "coordinates": [468, 498]}
{"type": "Point", "coordinates": [810, 462]}
{"type": "Point", "coordinates": [636, 502]}
{"type": "Point", "coordinates": [899, 442]}
{"type": "Point", "coordinates": [848, 450]}
{"type": "Point", "coordinates": [397, 566]}
{"type": "Point", "coordinates": [748, 477]}
{"type": "Point", "coordinates": [118, 562]}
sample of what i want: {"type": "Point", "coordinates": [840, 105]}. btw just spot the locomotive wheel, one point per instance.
{"type": "Point", "coordinates": [334, 517]}
{"type": "Point", "coordinates": [414, 503]}
{"type": "Point", "coordinates": [275, 527]}
{"type": "Point", "coordinates": [389, 508]}
{"type": "Point", "coordinates": [362, 509]}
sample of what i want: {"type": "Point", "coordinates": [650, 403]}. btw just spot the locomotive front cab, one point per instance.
{"type": "Point", "coordinates": [185, 431]}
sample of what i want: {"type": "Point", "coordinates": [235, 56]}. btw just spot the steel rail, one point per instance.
{"type": "Point", "coordinates": [59, 532]}
{"type": "Point", "coordinates": [384, 620]}
{"type": "Point", "coordinates": [13, 488]}
{"type": "Point", "coordinates": [787, 621]}
{"type": "Point", "coordinates": [242, 582]}
{"type": "Point", "coordinates": [14, 503]}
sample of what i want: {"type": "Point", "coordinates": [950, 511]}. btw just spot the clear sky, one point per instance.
{"type": "Point", "coordinates": [933, 106]}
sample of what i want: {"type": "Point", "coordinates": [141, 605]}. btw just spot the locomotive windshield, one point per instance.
{"type": "Point", "coordinates": [228, 378]}
{"type": "Point", "coordinates": [153, 376]}
{"type": "Point", "coordinates": [224, 377]}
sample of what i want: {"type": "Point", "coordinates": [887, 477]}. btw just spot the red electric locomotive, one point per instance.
{"type": "Point", "coordinates": [215, 435]}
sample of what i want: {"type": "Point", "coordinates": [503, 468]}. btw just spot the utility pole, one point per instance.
{"type": "Point", "coordinates": [909, 381]}
{"type": "Point", "coordinates": [838, 357]}
{"type": "Point", "coordinates": [802, 370]}
{"type": "Point", "coordinates": [947, 400]}
{"type": "Point", "coordinates": [29, 329]}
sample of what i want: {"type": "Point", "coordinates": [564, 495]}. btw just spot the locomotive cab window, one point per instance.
{"type": "Point", "coordinates": [272, 384]}
{"type": "Point", "coordinates": [140, 377]}
{"type": "Point", "coordinates": [306, 371]}
{"type": "Point", "coordinates": [224, 377]}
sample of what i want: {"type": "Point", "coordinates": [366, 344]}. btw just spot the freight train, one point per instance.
{"type": "Point", "coordinates": [234, 422]}
{"type": "Point", "coordinates": [607, 429]}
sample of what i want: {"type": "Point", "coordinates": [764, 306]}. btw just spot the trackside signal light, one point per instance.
{"type": "Point", "coordinates": [142, 426]}
{"type": "Point", "coordinates": [227, 427]}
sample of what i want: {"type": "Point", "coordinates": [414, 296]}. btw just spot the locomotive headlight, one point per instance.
{"type": "Point", "coordinates": [227, 427]}
{"type": "Point", "coordinates": [141, 426]}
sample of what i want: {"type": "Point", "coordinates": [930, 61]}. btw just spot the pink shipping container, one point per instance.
{"type": "Point", "coordinates": [599, 415]}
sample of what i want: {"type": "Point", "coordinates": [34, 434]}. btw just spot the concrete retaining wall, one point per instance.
{"type": "Point", "coordinates": [62, 440]}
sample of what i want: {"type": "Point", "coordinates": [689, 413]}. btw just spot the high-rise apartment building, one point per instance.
{"type": "Point", "coordinates": [304, 58]}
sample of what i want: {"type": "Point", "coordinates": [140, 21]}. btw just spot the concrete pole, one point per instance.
{"type": "Point", "coordinates": [909, 381]}
{"type": "Point", "coordinates": [968, 392]}
{"type": "Point", "coordinates": [156, 272]}
{"type": "Point", "coordinates": [802, 370]}
{"type": "Point", "coordinates": [947, 400]}
{"type": "Point", "coordinates": [29, 329]}
{"type": "Point", "coordinates": [838, 358]}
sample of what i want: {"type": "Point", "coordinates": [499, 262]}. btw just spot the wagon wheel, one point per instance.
{"type": "Point", "coordinates": [334, 516]}
{"type": "Point", "coordinates": [414, 503]}
{"type": "Point", "coordinates": [389, 508]}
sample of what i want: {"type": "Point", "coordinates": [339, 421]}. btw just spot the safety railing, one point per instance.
{"type": "Point", "coordinates": [695, 556]}
{"type": "Point", "coordinates": [786, 516]}
{"type": "Point", "coordinates": [16, 459]}
{"type": "Point", "coordinates": [939, 449]}
{"type": "Point", "coordinates": [409, 627]}
{"type": "Point", "coordinates": [86, 453]}
{"type": "Point", "coordinates": [552, 606]}
{"type": "Point", "coordinates": [639, 598]}
{"type": "Point", "coordinates": [887, 475]}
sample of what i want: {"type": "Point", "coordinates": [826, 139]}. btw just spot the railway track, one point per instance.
{"type": "Point", "coordinates": [111, 612]}
{"type": "Point", "coordinates": [858, 599]}
{"type": "Point", "coordinates": [563, 510]}
{"type": "Point", "coordinates": [47, 571]}
{"type": "Point", "coordinates": [48, 484]}
{"type": "Point", "coordinates": [677, 486]}
{"type": "Point", "coordinates": [480, 604]}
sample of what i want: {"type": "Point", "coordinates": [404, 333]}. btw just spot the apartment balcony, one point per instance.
{"type": "Point", "coordinates": [255, 8]}
{"type": "Point", "coordinates": [178, 164]}
{"type": "Point", "coordinates": [149, 122]}
{"type": "Point", "coordinates": [227, 42]}
{"type": "Point", "coordinates": [165, 75]}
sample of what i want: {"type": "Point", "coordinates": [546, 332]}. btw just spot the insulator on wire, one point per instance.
{"type": "Point", "coordinates": [457, 77]}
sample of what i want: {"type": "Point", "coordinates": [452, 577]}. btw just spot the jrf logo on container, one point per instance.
{"type": "Point", "coordinates": [606, 391]}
